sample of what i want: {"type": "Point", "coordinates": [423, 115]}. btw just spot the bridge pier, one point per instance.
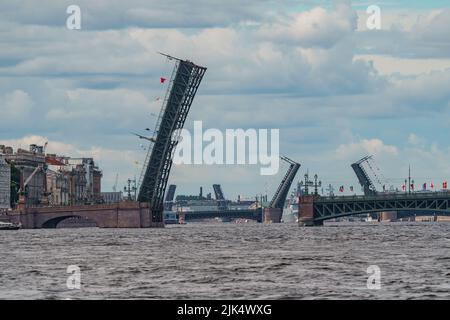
{"type": "Point", "coordinates": [272, 215]}
{"type": "Point", "coordinates": [120, 215]}
{"type": "Point", "coordinates": [306, 212]}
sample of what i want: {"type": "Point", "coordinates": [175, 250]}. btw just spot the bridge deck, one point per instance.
{"type": "Point", "coordinates": [233, 214]}
{"type": "Point", "coordinates": [333, 207]}
{"type": "Point", "coordinates": [386, 196]}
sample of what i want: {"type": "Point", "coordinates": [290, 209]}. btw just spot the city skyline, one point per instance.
{"type": "Point", "coordinates": [336, 90]}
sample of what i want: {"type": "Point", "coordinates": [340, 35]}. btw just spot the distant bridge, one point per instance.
{"type": "Point", "coordinates": [118, 215]}
{"type": "Point", "coordinates": [315, 209]}
{"type": "Point", "coordinates": [253, 214]}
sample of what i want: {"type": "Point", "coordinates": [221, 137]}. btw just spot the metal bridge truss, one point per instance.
{"type": "Point", "coordinates": [221, 202]}
{"type": "Point", "coordinates": [363, 177]}
{"type": "Point", "coordinates": [170, 195]}
{"type": "Point", "coordinates": [279, 198]}
{"type": "Point", "coordinates": [184, 82]}
{"type": "Point", "coordinates": [329, 208]}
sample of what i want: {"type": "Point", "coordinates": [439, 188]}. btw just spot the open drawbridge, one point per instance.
{"type": "Point", "coordinates": [183, 85]}
{"type": "Point", "coordinates": [363, 177]}
{"type": "Point", "coordinates": [274, 212]}
{"type": "Point", "coordinates": [280, 196]}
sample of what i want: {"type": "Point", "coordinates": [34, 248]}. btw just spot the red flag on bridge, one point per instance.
{"type": "Point", "coordinates": [444, 185]}
{"type": "Point", "coordinates": [341, 189]}
{"type": "Point", "coordinates": [162, 79]}
{"type": "Point", "coordinates": [432, 185]}
{"type": "Point", "coordinates": [404, 187]}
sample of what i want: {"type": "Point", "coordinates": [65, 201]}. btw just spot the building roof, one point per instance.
{"type": "Point", "coordinates": [53, 161]}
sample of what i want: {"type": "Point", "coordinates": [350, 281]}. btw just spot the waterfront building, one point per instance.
{"type": "Point", "coordinates": [48, 179]}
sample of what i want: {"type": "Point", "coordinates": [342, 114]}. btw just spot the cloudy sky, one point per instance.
{"type": "Point", "coordinates": [336, 90]}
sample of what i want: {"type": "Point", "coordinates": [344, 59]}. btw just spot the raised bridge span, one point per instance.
{"type": "Point", "coordinates": [314, 210]}
{"type": "Point", "coordinates": [148, 211]}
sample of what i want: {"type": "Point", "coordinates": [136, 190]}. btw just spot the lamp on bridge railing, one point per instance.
{"type": "Point", "coordinates": [330, 190]}
{"type": "Point", "coordinates": [130, 189]}
{"type": "Point", "coordinates": [316, 185]}
{"type": "Point", "coordinates": [306, 184]}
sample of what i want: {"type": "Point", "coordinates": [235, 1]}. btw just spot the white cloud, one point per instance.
{"type": "Point", "coordinates": [388, 65]}
{"type": "Point", "coordinates": [426, 38]}
{"type": "Point", "coordinates": [15, 105]}
{"type": "Point", "coordinates": [413, 139]}
{"type": "Point", "coordinates": [364, 147]}
{"type": "Point", "coordinates": [316, 27]}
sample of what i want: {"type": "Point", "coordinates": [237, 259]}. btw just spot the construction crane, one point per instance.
{"type": "Point", "coordinates": [30, 177]}
{"type": "Point", "coordinates": [279, 198]}
{"type": "Point", "coordinates": [363, 178]}
{"type": "Point", "coordinates": [144, 137]}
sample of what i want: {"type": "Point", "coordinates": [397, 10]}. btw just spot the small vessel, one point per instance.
{"type": "Point", "coordinates": [9, 226]}
{"type": "Point", "coordinates": [223, 219]}
{"type": "Point", "coordinates": [370, 219]}
{"type": "Point", "coordinates": [170, 217]}
{"type": "Point", "coordinates": [241, 220]}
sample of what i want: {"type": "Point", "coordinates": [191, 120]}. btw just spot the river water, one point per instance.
{"type": "Point", "coordinates": [228, 261]}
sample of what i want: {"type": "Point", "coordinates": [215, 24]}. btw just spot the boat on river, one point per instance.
{"type": "Point", "coordinates": [9, 226]}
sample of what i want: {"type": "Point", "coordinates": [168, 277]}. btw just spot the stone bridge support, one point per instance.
{"type": "Point", "coordinates": [306, 212]}
{"type": "Point", "coordinates": [120, 215]}
{"type": "Point", "coordinates": [272, 215]}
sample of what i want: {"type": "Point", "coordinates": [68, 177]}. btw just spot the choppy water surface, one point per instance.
{"type": "Point", "coordinates": [216, 261]}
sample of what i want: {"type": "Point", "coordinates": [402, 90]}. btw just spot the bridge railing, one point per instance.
{"type": "Point", "coordinates": [388, 196]}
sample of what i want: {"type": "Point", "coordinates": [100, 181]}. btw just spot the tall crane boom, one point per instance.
{"type": "Point", "coordinates": [30, 177]}
{"type": "Point", "coordinates": [279, 198]}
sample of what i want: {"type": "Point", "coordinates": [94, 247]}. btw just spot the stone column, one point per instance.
{"type": "Point", "coordinates": [272, 215]}
{"type": "Point", "coordinates": [306, 211]}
